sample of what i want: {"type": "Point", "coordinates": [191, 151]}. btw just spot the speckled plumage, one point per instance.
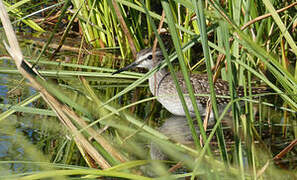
{"type": "Point", "coordinates": [162, 85]}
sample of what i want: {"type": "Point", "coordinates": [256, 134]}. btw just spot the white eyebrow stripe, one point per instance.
{"type": "Point", "coordinates": [142, 59]}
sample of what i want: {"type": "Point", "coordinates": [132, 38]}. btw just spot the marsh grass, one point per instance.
{"type": "Point", "coordinates": [119, 118]}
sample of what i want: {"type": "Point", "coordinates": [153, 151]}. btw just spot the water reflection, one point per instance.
{"type": "Point", "coordinates": [177, 129]}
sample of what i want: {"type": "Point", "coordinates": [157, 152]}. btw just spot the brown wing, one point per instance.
{"type": "Point", "coordinates": [200, 85]}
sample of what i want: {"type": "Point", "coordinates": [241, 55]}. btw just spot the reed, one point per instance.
{"type": "Point", "coordinates": [113, 117]}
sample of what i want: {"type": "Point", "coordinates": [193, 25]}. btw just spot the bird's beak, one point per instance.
{"type": "Point", "coordinates": [134, 64]}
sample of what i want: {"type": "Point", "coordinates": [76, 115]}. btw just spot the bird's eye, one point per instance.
{"type": "Point", "coordinates": [150, 57]}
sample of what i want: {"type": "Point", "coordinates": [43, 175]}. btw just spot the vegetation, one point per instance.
{"type": "Point", "coordinates": [87, 123]}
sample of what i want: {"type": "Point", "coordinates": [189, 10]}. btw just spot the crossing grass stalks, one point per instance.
{"type": "Point", "coordinates": [236, 43]}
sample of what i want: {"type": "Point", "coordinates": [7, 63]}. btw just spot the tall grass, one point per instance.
{"type": "Point", "coordinates": [264, 51]}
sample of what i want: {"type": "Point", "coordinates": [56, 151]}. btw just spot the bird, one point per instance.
{"type": "Point", "coordinates": [162, 85]}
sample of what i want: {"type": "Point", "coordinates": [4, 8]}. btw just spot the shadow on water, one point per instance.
{"type": "Point", "coordinates": [176, 128]}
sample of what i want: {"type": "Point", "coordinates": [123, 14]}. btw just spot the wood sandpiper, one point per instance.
{"type": "Point", "coordinates": [162, 85]}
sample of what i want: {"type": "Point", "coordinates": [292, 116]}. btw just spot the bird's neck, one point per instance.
{"type": "Point", "coordinates": [155, 80]}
